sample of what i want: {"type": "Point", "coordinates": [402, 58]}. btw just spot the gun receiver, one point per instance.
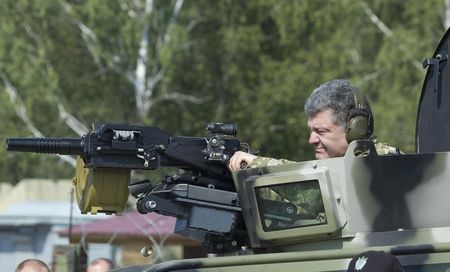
{"type": "Point", "coordinates": [204, 187]}
{"type": "Point", "coordinates": [140, 147]}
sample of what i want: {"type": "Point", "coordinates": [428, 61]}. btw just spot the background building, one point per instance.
{"type": "Point", "coordinates": [38, 219]}
{"type": "Point", "coordinates": [31, 214]}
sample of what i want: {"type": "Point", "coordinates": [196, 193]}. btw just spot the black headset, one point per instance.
{"type": "Point", "coordinates": [359, 119]}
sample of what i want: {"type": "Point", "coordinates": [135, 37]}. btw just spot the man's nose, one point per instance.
{"type": "Point", "coordinates": [313, 138]}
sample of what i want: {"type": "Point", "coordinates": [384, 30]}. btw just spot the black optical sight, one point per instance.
{"type": "Point", "coordinates": [221, 128]}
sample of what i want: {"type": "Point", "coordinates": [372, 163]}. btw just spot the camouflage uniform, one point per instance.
{"type": "Point", "coordinates": [384, 149]}
{"type": "Point", "coordinates": [381, 148]}
{"type": "Point", "coordinates": [265, 161]}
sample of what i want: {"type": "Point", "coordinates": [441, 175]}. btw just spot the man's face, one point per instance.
{"type": "Point", "coordinates": [328, 138]}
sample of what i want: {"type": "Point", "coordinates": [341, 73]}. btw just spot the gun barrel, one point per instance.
{"type": "Point", "coordinates": [63, 146]}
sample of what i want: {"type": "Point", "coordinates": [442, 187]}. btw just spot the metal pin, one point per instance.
{"type": "Point", "coordinates": [147, 251]}
{"type": "Point", "coordinates": [150, 204]}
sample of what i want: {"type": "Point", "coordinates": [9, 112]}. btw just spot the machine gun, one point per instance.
{"type": "Point", "coordinates": [202, 197]}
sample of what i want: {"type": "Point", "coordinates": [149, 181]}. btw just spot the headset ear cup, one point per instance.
{"type": "Point", "coordinates": [357, 125]}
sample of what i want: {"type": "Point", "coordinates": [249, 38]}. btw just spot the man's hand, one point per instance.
{"type": "Point", "coordinates": [240, 157]}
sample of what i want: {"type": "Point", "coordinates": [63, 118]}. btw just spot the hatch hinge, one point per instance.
{"type": "Point", "coordinates": [436, 63]}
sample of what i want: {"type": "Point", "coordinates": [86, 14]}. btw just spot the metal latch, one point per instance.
{"type": "Point", "coordinates": [436, 63]}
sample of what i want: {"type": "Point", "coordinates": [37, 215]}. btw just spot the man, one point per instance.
{"type": "Point", "coordinates": [337, 114]}
{"type": "Point", "coordinates": [100, 265]}
{"type": "Point", "coordinates": [32, 265]}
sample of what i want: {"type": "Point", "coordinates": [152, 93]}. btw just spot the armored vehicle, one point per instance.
{"type": "Point", "coordinates": [306, 216]}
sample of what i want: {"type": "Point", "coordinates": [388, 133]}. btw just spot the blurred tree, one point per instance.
{"type": "Point", "coordinates": [178, 65]}
{"type": "Point", "coordinates": [408, 33]}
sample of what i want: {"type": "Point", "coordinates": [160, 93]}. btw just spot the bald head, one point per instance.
{"type": "Point", "coordinates": [100, 265]}
{"type": "Point", "coordinates": [32, 265]}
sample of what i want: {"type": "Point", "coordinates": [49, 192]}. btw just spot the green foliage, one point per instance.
{"type": "Point", "coordinates": [248, 62]}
